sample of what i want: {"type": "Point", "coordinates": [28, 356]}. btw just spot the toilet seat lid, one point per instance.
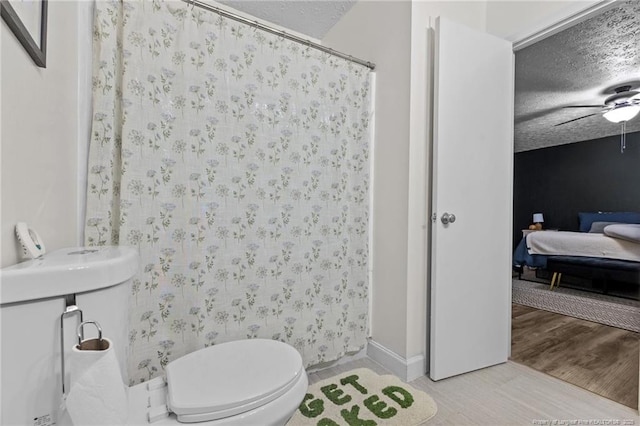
{"type": "Point", "coordinates": [231, 378]}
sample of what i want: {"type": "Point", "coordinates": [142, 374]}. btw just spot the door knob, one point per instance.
{"type": "Point", "coordinates": [448, 218]}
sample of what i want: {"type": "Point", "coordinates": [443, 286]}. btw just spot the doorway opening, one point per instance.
{"type": "Point", "coordinates": [570, 172]}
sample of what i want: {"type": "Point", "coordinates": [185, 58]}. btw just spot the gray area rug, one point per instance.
{"type": "Point", "coordinates": [608, 310]}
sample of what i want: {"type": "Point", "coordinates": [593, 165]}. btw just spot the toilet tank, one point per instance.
{"type": "Point", "coordinates": [33, 297]}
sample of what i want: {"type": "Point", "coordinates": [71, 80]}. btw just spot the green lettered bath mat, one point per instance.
{"type": "Point", "coordinates": [362, 397]}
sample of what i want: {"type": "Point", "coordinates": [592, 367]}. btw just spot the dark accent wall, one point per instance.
{"type": "Point", "coordinates": [563, 180]}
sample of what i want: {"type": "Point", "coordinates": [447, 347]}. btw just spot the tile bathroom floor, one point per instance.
{"type": "Point", "coordinates": [506, 394]}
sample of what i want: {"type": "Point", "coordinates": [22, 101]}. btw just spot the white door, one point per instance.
{"type": "Point", "coordinates": [472, 179]}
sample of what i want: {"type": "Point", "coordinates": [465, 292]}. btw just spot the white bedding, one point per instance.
{"type": "Point", "coordinates": [562, 243]}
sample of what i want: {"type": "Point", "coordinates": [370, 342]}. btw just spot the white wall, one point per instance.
{"type": "Point", "coordinates": [39, 135]}
{"type": "Point", "coordinates": [379, 32]}
{"type": "Point", "coordinates": [84, 107]}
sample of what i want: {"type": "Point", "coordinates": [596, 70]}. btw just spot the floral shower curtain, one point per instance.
{"type": "Point", "coordinates": [237, 163]}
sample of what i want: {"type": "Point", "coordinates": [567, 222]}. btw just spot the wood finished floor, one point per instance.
{"type": "Point", "coordinates": [596, 357]}
{"type": "Point", "coordinates": [507, 394]}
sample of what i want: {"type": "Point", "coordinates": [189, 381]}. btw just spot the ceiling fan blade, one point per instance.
{"type": "Point", "coordinates": [576, 119]}
{"type": "Point", "coordinates": [584, 106]}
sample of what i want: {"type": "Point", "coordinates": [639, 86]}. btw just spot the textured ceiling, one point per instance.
{"type": "Point", "coordinates": [310, 17]}
{"type": "Point", "coordinates": [578, 66]}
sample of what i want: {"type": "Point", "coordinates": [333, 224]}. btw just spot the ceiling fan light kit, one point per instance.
{"type": "Point", "coordinates": [622, 113]}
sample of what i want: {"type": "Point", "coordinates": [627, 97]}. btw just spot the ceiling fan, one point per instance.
{"type": "Point", "coordinates": [620, 107]}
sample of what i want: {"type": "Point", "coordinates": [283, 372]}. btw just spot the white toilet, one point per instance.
{"type": "Point", "coordinates": [246, 382]}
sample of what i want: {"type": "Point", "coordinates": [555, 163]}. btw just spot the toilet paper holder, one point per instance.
{"type": "Point", "coordinates": [70, 310]}
{"type": "Point", "coordinates": [98, 344]}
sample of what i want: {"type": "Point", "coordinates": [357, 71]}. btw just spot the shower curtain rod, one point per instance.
{"type": "Point", "coordinates": [280, 33]}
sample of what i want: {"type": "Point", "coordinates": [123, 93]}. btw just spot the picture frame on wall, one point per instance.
{"type": "Point", "coordinates": [27, 19]}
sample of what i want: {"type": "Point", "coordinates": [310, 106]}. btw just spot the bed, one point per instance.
{"type": "Point", "coordinates": [606, 249]}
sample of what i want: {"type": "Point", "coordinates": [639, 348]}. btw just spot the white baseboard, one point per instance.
{"type": "Point", "coordinates": [406, 369]}
{"type": "Point", "coordinates": [362, 353]}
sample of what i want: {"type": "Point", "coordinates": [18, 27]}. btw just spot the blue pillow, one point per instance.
{"type": "Point", "coordinates": [586, 219]}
